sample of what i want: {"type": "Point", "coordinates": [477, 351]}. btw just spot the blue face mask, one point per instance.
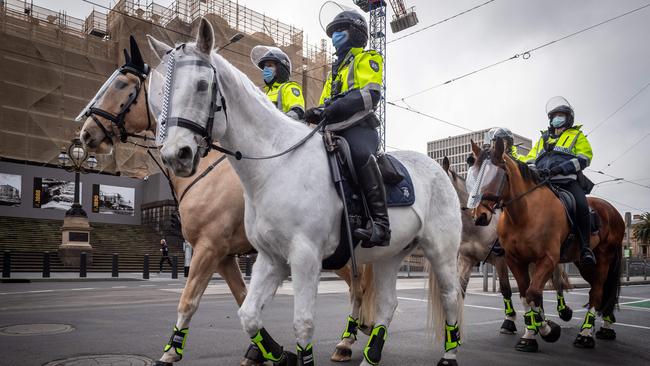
{"type": "Point", "coordinates": [268, 74]}
{"type": "Point", "coordinates": [558, 121]}
{"type": "Point", "coordinates": [339, 39]}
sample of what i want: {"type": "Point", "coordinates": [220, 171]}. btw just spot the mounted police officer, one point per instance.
{"type": "Point", "coordinates": [562, 153]}
{"type": "Point", "coordinates": [508, 137]}
{"type": "Point", "coordinates": [347, 103]}
{"type": "Point", "coordinates": [276, 72]}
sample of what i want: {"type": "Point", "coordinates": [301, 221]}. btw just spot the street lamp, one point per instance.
{"type": "Point", "coordinates": [76, 229]}
{"type": "Point", "coordinates": [75, 158]}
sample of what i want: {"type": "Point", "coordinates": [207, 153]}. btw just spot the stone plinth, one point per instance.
{"type": "Point", "coordinates": [75, 238]}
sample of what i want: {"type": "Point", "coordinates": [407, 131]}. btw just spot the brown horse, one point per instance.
{"type": "Point", "coordinates": [475, 245]}
{"type": "Point", "coordinates": [215, 203]}
{"type": "Point", "coordinates": [532, 230]}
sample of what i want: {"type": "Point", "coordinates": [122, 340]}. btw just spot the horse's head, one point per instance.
{"type": "Point", "coordinates": [486, 180]}
{"type": "Point", "coordinates": [191, 109]}
{"type": "Point", "coordinates": [119, 109]}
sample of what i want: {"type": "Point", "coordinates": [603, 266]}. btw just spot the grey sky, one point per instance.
{"type": "Point", "coordinates": [597, 71]}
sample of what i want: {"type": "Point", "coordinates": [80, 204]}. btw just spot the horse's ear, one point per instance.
{"type": "Point", "coordinates": [205, 38]}
{"type": "Point", "coordinates": [499, 148]}
{"type": "Point", "coordinates": [127, 58]}
{"type": "Point", "coordinates": [445, 164]}
{"type": "Point", "coordinates": [136, 56]}
{"type": "Point", "coordinates": [476, 150]}
{"type": "Point", "coordinates": [159, 48]}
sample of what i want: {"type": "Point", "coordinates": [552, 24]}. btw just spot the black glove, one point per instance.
{"type": "Point", "coordinates": [544, 173]}
{"type": "Point", "coordinates": [314, 115]}
{"type": "Point", "coordinates": [555, 170]}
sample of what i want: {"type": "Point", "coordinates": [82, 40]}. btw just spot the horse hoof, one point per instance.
{"type": "Point", "coordinates": [606, 334]}
{"type": "Point", "coordinates": [584, 342]}
{"type": "Point", "coordinates": [287, 359]}
{"type": "Point", "coordinates": [566, 314]}
{"type": "Point", "coordinates": [162, 363]}
{"type": "Point", "coordinates": [508, 327]}
{"type": "Point", "coordinates": [527, 345]}
{"type": "Point", "coordinates": [341, 354]}
{"type": "Point", "coordinates": [447, 362]}
{"type": "Point", "coordinates": [554, 334]}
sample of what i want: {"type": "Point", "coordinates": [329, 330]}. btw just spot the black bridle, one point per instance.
{"type": "Point", "coordinates": [118, 119]}
{"type": "Point", "coordinates": [207, 142]}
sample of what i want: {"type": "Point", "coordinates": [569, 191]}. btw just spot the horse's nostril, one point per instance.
{"type": "Point", "coordinates": [185, 153]}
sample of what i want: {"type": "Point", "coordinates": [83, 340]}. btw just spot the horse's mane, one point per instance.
{"type": "Point", "coordinates": [528, 174]}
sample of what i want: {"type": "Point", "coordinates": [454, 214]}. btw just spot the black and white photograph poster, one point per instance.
{"type": "Point", "coordinates": [113, 200]}
{"type": "Point", "coordinates": [53, 193]}
{"type": "Point", "coordinates": [10, 189]}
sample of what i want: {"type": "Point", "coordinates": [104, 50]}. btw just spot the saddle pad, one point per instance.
{"type": "Point", "coordinates": [401, 194]}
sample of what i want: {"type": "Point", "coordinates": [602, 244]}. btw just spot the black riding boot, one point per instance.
{"type": "Point", "coordinates": [378, 231]}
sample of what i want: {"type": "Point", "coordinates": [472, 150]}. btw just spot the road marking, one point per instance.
{"type": "Point", "coordinates": [553, 315]}
{"type": "Point", "coordinates": [81, 289]}
{"type": "Point", "coordinates": [147, 285]}
{"type": "Point", "coordinates": [118, 287]}
{"type": "Point", "coordinates": [25, 292]}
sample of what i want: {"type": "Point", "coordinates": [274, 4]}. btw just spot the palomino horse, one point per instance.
{"type": "Point", "coordinates": [475, 247]}
{"type": "Point", "coordinates": [214, 226]}
{"type": "Point", "coordinates": [292, 210]}
{"type": "Point", "coordinates": [532, 230]}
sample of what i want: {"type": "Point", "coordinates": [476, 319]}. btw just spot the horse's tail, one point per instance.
{"type": "Point", "coordinates": [367, 309]}
{"type": "Point", "coordinates": [435, 312]}
{"type": "Point", "coordinates": [612, 285]}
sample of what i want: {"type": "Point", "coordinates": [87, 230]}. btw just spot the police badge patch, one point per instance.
{"type": "Point", "coordinates": [295, 91]}
{"type": "Point", "coordinates": [374, 65]}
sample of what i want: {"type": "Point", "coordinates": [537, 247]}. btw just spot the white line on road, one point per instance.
{"type": "Point", "coordinates": [118, 287]}
{"type": "Point", "coordinates": [147, 285]}
{"type": "Point", "coordinates": [499, 309]}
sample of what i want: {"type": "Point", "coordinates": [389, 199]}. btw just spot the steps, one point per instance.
{"type": "Point", "coordinates": [27, 239]}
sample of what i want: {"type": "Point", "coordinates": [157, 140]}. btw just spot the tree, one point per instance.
{"type": "Point", "coordinates": [642, 229]}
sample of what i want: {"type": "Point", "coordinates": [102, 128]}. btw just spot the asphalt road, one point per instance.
{"type": "Point", "coordinates": [136, 318]}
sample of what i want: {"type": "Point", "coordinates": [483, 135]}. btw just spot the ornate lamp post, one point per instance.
{"type": "Point", "coordinates": [76, 229]}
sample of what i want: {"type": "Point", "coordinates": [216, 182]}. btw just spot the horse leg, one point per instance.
{"type": "Point", "coordinates": [596, 277]}
{"type": "Point", "coordinates": [465, 265]}
{"type": "Point", "coordinates": [343, 350]}
{"type": "Point", "coordinates": [508, 326]}
{"type": "Point", "coordinates": [201, 270]}
{"type": "Point", "coordinates": [305, 273]}
{"type": "Point", "coordinates": [266, 277]}
{"type": "Point", "coordinates": [229, 270]}
{"type": "Point", "coordinates": [563, 310]}
{"type": "Point", "coordinates": [535, 319]}
{"type": "Point", "coordinates": [445, 296]}
{"type": "Point", "coordinates": [527, 343]}
{"type": "Point", "coordinates": [386, 295]}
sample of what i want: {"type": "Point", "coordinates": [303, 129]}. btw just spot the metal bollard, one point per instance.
{"type": "Point", "coordinates": [494, 278]}
{"type": "Point", "coordinates": [46, 264]}
{"type": "Point", "coordinates": [82, 264]}
{"type": "Point", "coordinates": [175, 267]}
{"type": "Point", "coordinates": [6, 264]}
{"type": "Point", "coordinates": [485, 277]}
{"type": "Point", "coordinates": [145, 267]}
{"type": "Point", "coordinates": [627, 268]}
{"type": "Point", "coordinates": [114, 269]}
{"type": "Point", "coordinates": [645, 270]}
{"type": "Point", "coordinates": [249, 267]}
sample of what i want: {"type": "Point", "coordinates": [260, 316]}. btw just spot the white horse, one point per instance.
{"type": "Point", "coordinates": [292, 209]}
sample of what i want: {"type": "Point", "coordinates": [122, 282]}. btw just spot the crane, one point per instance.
{"type": "Point", "coordinates": [403, 18]}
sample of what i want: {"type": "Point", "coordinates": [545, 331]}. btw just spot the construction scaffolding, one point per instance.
{"type": "Point", "coordinates": [51, 64]}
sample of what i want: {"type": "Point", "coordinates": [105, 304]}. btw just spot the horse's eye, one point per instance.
{"type": "Point", "coordinates": [202, 85]}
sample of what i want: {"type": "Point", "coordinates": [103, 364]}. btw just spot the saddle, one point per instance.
{"type": "Point", "coordinates": [399, 193]}
{"type": "Point", "coordinates": [569, 204]}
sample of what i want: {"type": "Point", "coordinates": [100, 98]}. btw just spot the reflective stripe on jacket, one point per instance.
{"type": "Point", "coordinates": [360, 70]}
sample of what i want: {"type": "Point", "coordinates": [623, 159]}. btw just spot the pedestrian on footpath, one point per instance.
{"type": "Point", "coordinates": [187, 250]}
{"type": "Point", "coordinates": [164, 249]}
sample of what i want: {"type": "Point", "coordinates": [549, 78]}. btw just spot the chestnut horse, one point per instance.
{"type": "Point", "coordinates": [475, 245]}
{"type": "Point", "coordinates": [215, 202]}
{"type": "Point", "coordinates": [532, 229]}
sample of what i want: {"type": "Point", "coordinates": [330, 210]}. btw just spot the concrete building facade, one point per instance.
{"type": "Point", "coordinates": [457, 148]}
